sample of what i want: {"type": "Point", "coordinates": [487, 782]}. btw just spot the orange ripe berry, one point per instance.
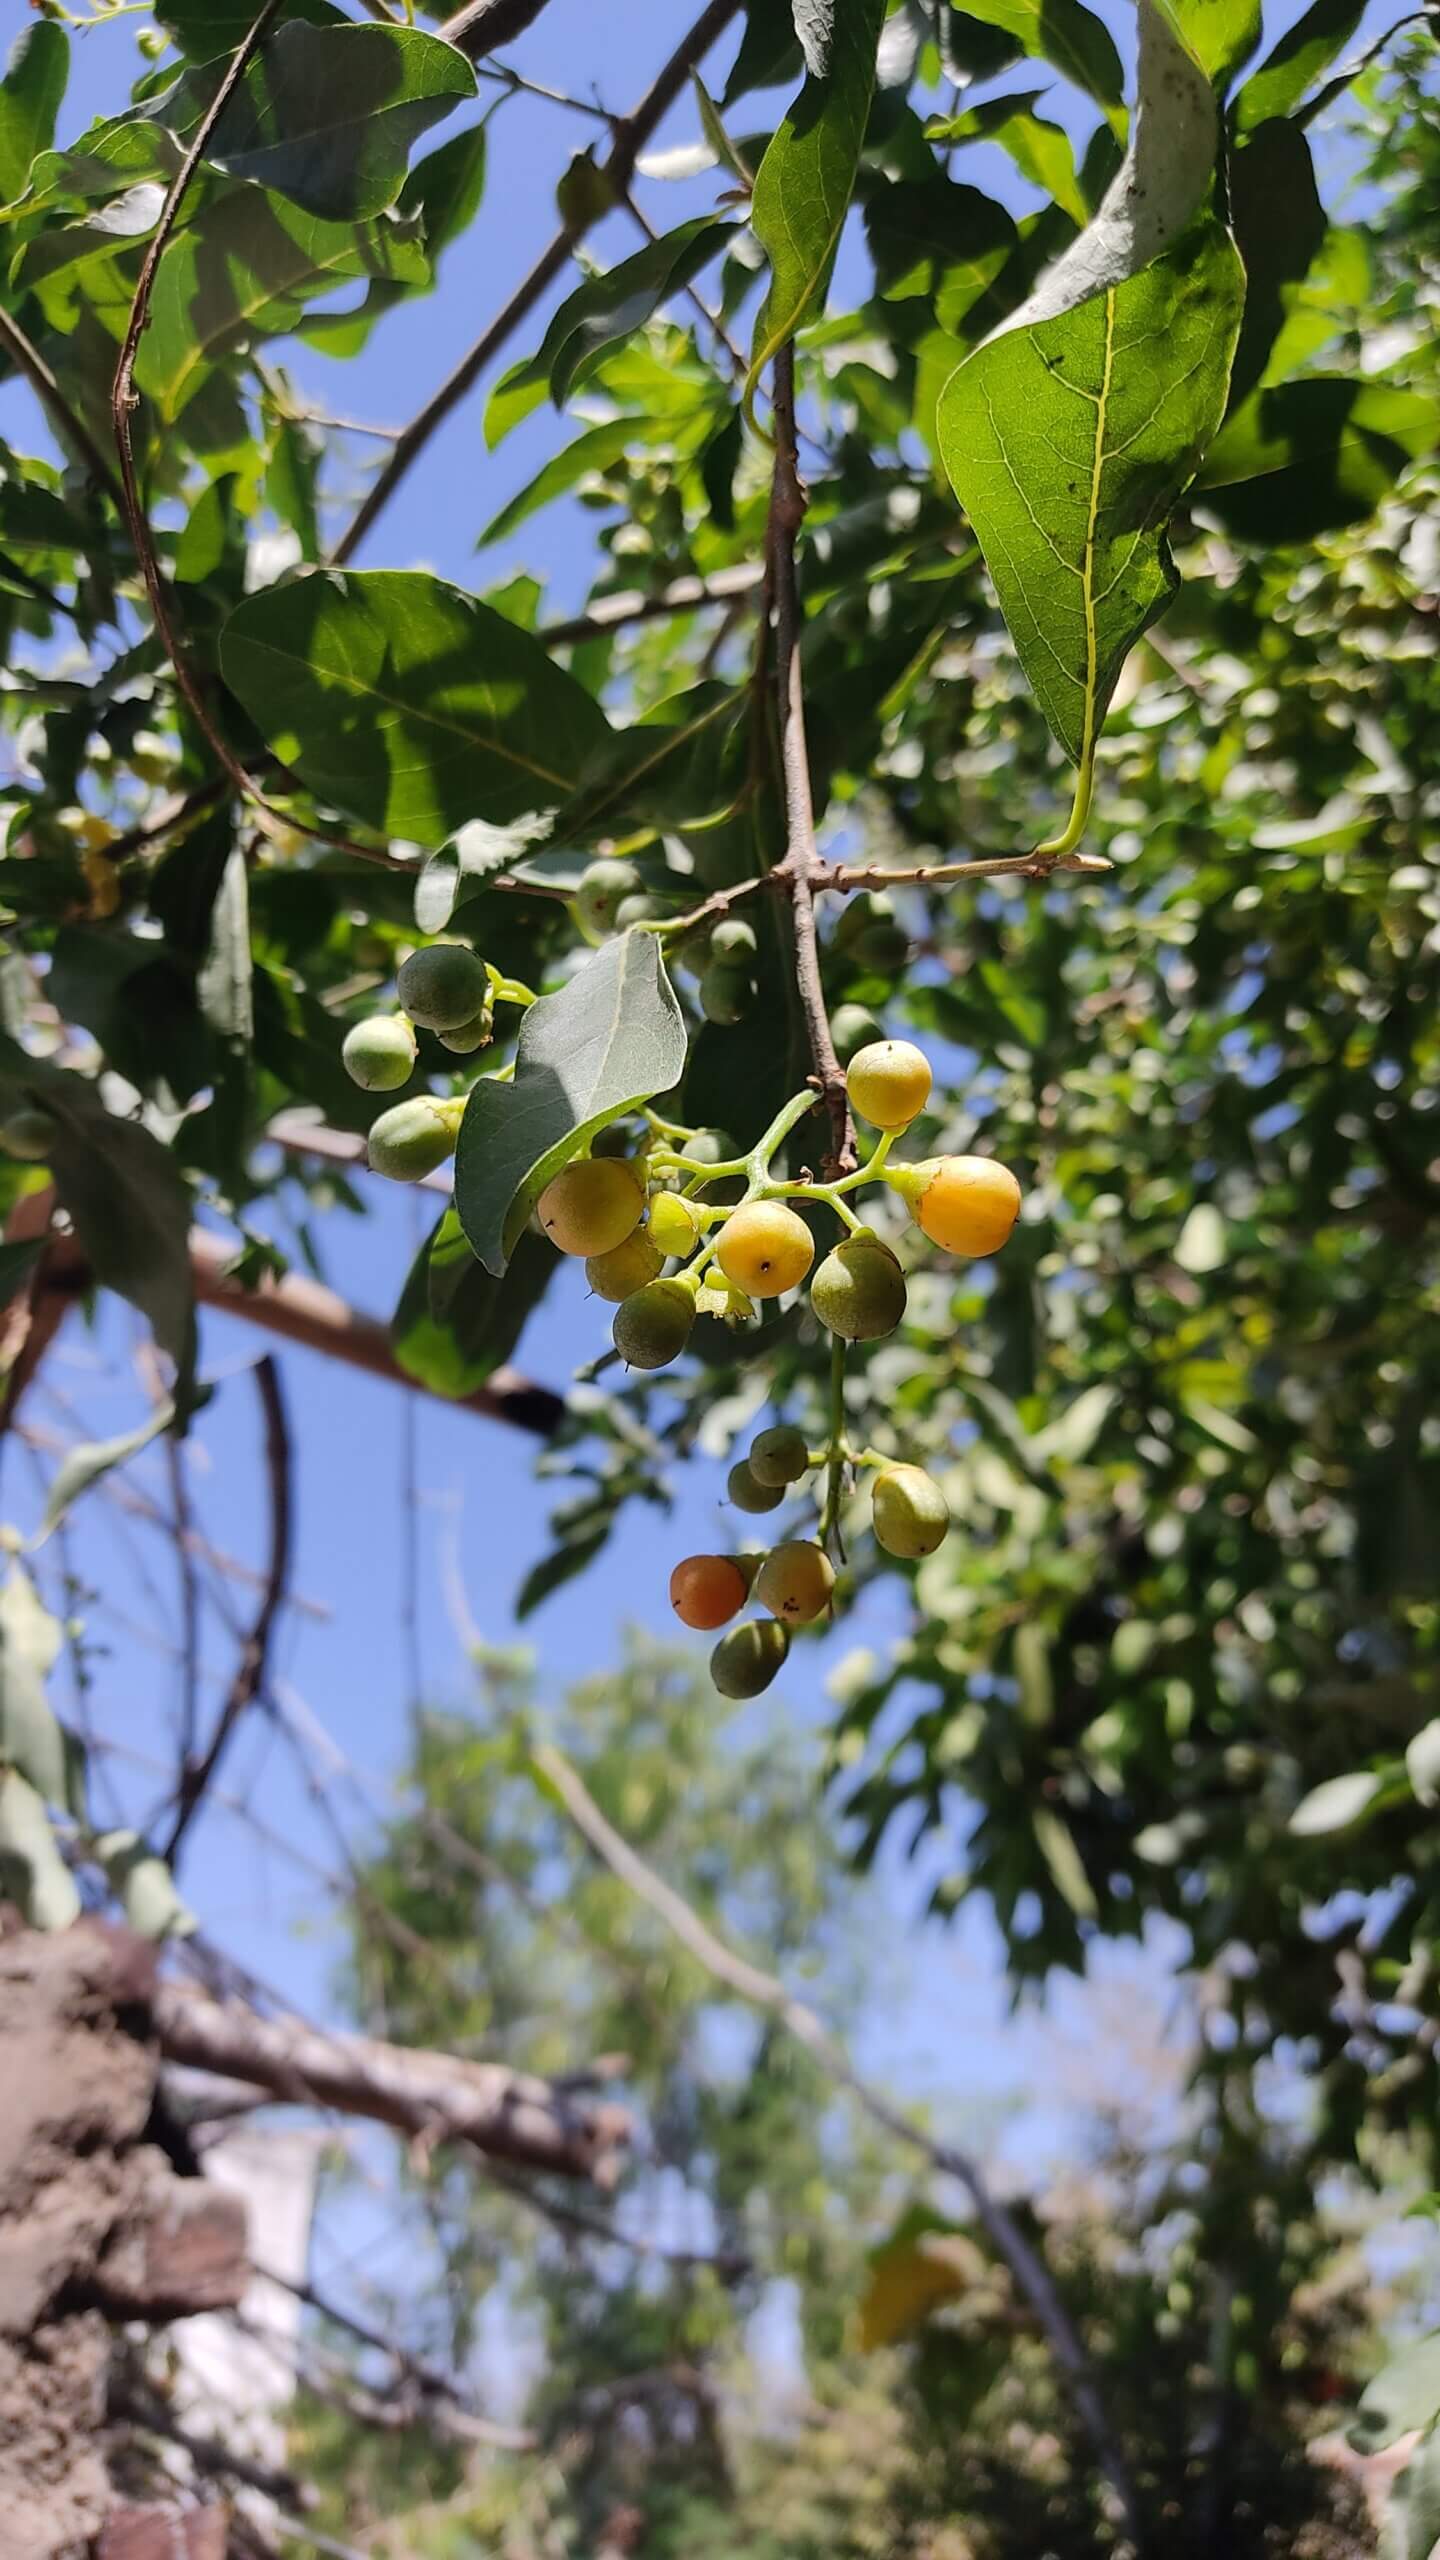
{"type": "Point", "coordinates": [706, 1591]}
{"type": "Point", "coordinates": [966, 1204]}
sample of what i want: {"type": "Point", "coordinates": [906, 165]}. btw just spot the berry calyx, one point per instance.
{"type": "Point", "coordinates": [603, 886]}
{"type": "Point", "coordinates": [910, 1514]}
{"type": "Point", "coordinates": [707, 1591]}
{"type": "Point", "coordinates": [411, 1139]}
{"type": "Point", "coordinates": [765, 1248]}
{"type": "Point", "coordinates": [673, 1226]}
{"type": "Point", "coordinates": [379, 1055]}
{"type": "Point", "coordinates": [746, 1660]}
{"type": "Point", "coordinates": [746, 1491]}
{"type": "Point", "coordinates": [795, 1581]}
{"type": "Point", "coordinates": [859, 1289]}
{"type": "Point", "coordinates": [29, 1134]}
{"type": "Point", "coordinates": [652, 1328]}
{"type": "Point", "coordinates": [888, 1082]}
{"type": "Point", "coordinates": [617, 1275]}
{"type": "Point", "coordinates": [443, 986]}
{"type": "Point", "coordinates": [965, 1204]}
{"type": "Point", "coordinates": [592, 1205]}
{"type": "Point", "coordinates": [779, 1455]}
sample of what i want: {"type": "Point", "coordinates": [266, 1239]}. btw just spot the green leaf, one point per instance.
{"type": "Point", "coordinates": [935, 238]}
{"type": "Point", "coordinates": [611, 1039]}
{"type": "Point", "coordinates": [1218, 34]}
{"type": "Point", "coordinates": [143, 1885]}
{"type": "Point", "coordinates": [804, 183]}
{"type": "Point", "coordinates": [84, 1466]}
{"type": "Point", "coordinates": [605, 310]}
{"type": "Point", "coordinates": [30, 1859]}
{"type": "Point", "coordinates": [1307, 457]}
{"type": "Point", "coordinates": [1033, 1675]}
{"type": "Point", "coordinates": [408, 703]}
{"type": "Point", "coordinates": [1422, 1762]}
{"type": "Point", "coordinates": [456, 1322]}
{"type": "Point", "coordinates": [327, 115]}
{"type": "Point", "coordinates": [32, 1738]}
{"type": "Point", "coordinates": [1068, 443]}
{"type": "Point", "coordinates": [1404, 2394]}
{"type": "Point", "coordinates": [667, 769]}
{"type": "Point", "coordinates": [1279, 226]}
{"type": "Point", "coordinates": [473, 856]}
{"type": "Point", "coordinates": [596, 450]}
{"type": "Point", "coordinates": [1334, 1805]}
{"type": "Point", "coordinates": [17, 1261]}
{"type": "Point", "coordinates": [561, 1565]}
{"type": "Point", "coordinates": [30, 94]}
{"type": "Point", "coordinates": [206, 28]}
{"type": "Point", "coordinates": [224, 984]}
{"type": "Point", "coordinates": [1062, 32]}
{"type": "Point", "coordinates": [1300, 56]}
{"type": "Point", "coordinates": [1057, 1848]}
{"type": "Point", "coordinates": [1041, 150]}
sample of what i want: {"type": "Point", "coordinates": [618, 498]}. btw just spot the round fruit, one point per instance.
{"type": "Point", "coordinates": [966, 1204]}
{"type": "Point", "coordinates": [779, 1455]}
{"type": "Point", "coordinates": [851, 1027]}
{"type": "Point", "coordinates": [617, 1275]}
{"type": "Point", "coordinates": [746, 1660]}
{"type": "Point", "coordinates": [28, 1134]}
{"type": "Point", "coordinates": [652, 1328]}
{"type": "Point", "coordinates": [469, 1036]}
{"type": "Point", "coordinates": [733, 941]}
{"type": "Point", "coordinates": [602, 886]}
{"type": "Point", "coordinates": [889, 1083]}
{"type": "Point", "coordinates": [706, 1591]}
{"type": "Point", "coordinates": [410, 1139]}
{"type": "Point", "coordinates": [870, 934]}
{"type": "Point", "coordinates": [443, 986]}
{"type": "Point", "coordinates": [765, 1248]}
{"type": "Point", "coordinates": [748, 1493]}
{"type": "Point", "coordinates": [592, 1206]}
{"type": "Point", "coordinates": [911, 1514]}
{"type": "Point", "coordinates": [379, 1055]}
{"type": "Point", "coordinates": [859, 1289]}
{"type": "Point", "coordinates": [673, 1227]}
{"type": "Point", "coordinates": [726, 993]}
{"type": "Point", "coordinates": [636, 909]}
{"type": "Point", "coordinates": [795, 1581]}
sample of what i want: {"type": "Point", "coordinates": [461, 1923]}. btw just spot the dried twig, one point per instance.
{"type": "Point", "coordinates": [428, 2379]}
{"type": "Point", "coordinates": [765, 1992]}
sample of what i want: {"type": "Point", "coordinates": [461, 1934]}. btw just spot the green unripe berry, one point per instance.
{"type": "Point", "coordinates": [673, 1225]}
{"type": "Point", "coordinates": [779, 1455]}
{"type": "Point", "coordinates": [747, 1657]}
{"type": "Point", "coordinates": [603, 885]}
{"type": "Point", "coordinates": [379, 1055]}
{"type": "Point", "coordinates": [726, 994]}
{"type": "Point", "coordinates": [652, 1328]}
{"type": "Point", "coordinates": [748, 1493]}
{"type": "Point", "coordinates": [706, 1147]}
{"type": "Point", "coordinates": [28, 1134]}
{"type": "Point", "coordinates": [870, 934]}
{"type": "Point", "coordinates": [733, 941]}
{"type": "Point", "coordinates": [617, 1275]}
{"type": "Point", "coordinates": [910, 1513]}
{"type": "Point", "coordinates": [442, 986]}
{"type": "Point", "coordinates": [859, 1289]}
{"type": "Point", "coordinates": [852, 1027]}
{"type": "Point", "coordinates": [636, 909]}
{"type": "Point", "coordinates": [410, 1139]}
{"type": "Point", "coordinates": [469, 1036]}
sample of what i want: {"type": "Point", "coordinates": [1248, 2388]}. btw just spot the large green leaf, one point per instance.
{"type": "Point", "coordinates": [1068, 444]}
{"type": "Point", "coordinates": [605, 310]}
{"type": "Point", "coordinates": [456, 1322]}
{"type": "Point", "coordinates": [613, 1037]}
{"type": "Point", "coordinates": [1065, 33]}
{"type": "Point", "coordinates": [327, 115]}
{"type": "Point", "coordinates": [1279, 225]}
{"type": "Point", "coordinates": [1305, 457]}
{"type": "Point", "coordinates": [597, 450]}
{"type": "Point", "coordinates": [1219, 34]}
{"type": "Point", "coordinates": [1301, 54]}
{"type": "Point", "coordinates": [207, 28]}
{"type": "Point", "coordinates": [30, 95]}
{"type": "Point", "coordinates": [1041, 151]}
{"type": "Point", "coordinates": [933, 238]}
{"type": "Point", "coordinates": [804, 183]}
{"type": "Point", "coordinates": [1405, 2393]}
{"type": "Point", "coordinates": [407, 702]}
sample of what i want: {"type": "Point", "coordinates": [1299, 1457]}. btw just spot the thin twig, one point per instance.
{"type": "Point", "coordinates": [249, 1680]}
{"type": "Point", "coordinates": [682, 595]}
{"type": "Point", "coordinates": [70, 427]}
{"type": "Point", "coordinates": [427, 2378]}
{"type": "Point", "coordinates": [765, 1992]}
{"type": "Point", "coordinates": [516, 83]}
{"type": "Point", "coordinates": [797, 872]}
{"type": "Point", "coordinates": [632, 132]}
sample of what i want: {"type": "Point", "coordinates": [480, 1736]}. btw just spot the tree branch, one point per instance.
{"type": "Point", "coordinates": [683, 595]}
{"type": "Point", "coordinates": [798, 871]}
{"type": "Point", "coordinates": [488, 23]}
{"type": "Point", "coordinates": [507, 2115]}
{"type": "Point", "coordinates": [765, 1992]}
{"type": "Point", "coordinates": [249, 1679]}
{"type": "Point", "coordinates": [616, 170]}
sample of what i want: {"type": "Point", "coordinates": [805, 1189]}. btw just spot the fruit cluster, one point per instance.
{"type": "Point", "coordinates": [446, 989]}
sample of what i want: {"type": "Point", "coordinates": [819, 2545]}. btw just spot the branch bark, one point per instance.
{"type": "Point", "coordinates": [488, 23]}
{"type": "Point", "coordinates": [617, 169]}
{"type": "Point", "coordinates": [506, 2115]}
{"type": "Point", "coordinates": [765, 1992]}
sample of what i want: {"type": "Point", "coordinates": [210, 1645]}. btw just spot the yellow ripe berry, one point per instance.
{"type": "Point", "coordinates": [765, 1248]}
{"type": "Point", "coordinates": [966, 1204]}
{"type": "Point", "coordinates": [673, 1225]}
{"type": "Point", "coordinates": [625, 1268]}
{"type": "Point", "coordinates": [746, 1660]}
{"type": "Point", "coordinates": [795, 1581]}
{"type": "Point", "coordinates": [592, 1206]}
{"type": "Point", "coordinates": [706, 1591]}
{"type": "Point", "coordinates": [911, 1515]}
{"type": "Point", "coordinates": [889, 1083]}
